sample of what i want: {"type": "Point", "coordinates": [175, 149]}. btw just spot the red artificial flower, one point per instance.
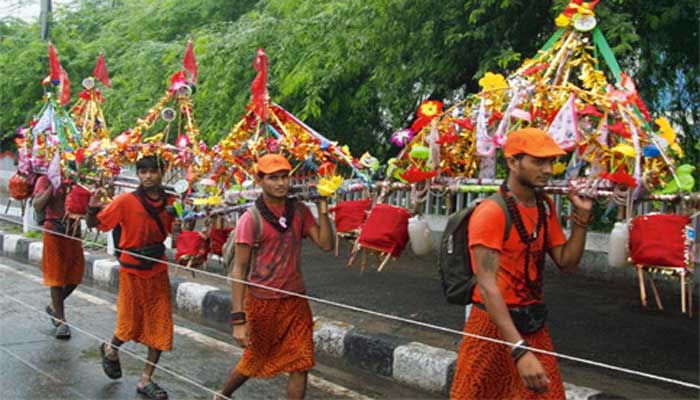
{"type": "Point", "coordinates": [465, 123]}
{"type": "Point", "coordinates": [496, 116]}
{"type": "Point", "coordinates": [420, 123]}
{"type": "Point", "coordinates": [620, 177]}
{"type": "Point", "coordinates": [620, 129]}
{"type": "Point", "coordinates": [447, 138]}
{"type": "Point", "coordinates": [327, 169]}
{"type": "Point", "coordinates": [430, 109]}
{"type": "Point", "coordinates": [80, 155]}
{"type": "Point", "coordinates": [413, 175]}
{"type": "Point", "coordinates": [590, 110]}
{"type": "Point", "coordinates": [535, 69]}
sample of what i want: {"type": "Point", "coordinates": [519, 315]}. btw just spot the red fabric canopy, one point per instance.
{"type": "Point", "coordinates": [660, 240]}
{"type": "Point", "coordinates": [386, 229]}
{"type": "Point", "coordinates": [191, 243]}
{"type": "Point", "coordinates": [349, 215]}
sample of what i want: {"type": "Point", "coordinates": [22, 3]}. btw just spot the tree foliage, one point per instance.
{"type": "Point", "coordinates": [354, 70]}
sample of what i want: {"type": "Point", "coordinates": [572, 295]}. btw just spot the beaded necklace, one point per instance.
{"type": "Point", "coordinates": [527, 238]}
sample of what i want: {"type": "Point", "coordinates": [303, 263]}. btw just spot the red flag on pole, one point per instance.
{"type": "Point", "coordinates": [100, 72]}
{"type": "Point", "coordinates": [64, 98]}
{"type": "Point", "coordinates": [54, 65]}
{"type": "Point", "coordinates": [259, 86]}
{"type": "Point", "coordinates": [189, 62]}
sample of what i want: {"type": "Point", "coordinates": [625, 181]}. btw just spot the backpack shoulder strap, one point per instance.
{"type": "Point", "coordinates": [498, 199]}
{"type": "Point", "coordinates": [258, 224]}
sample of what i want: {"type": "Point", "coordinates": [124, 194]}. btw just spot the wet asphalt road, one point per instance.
{"type": "Point", "coordinates": [35, 365]}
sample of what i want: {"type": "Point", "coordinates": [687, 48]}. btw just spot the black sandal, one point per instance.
{"type": "Point", "coordinates": [112, 368]}
{"type": "Point", "coordinates": [152, 391]}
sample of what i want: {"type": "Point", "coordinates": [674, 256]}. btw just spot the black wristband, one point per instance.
{"type": "Point", "coordinates": [519, 350]}
{"type": "Point", "coordinates": [238, 318]}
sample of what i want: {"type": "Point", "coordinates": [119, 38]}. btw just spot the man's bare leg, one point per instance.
{"type": "Point", "coordinates": [234, 381]}
{"type": "Point", "coordinates": [153, 357]}
{"type": "Point", "coordinates": [112, 350]}
{"type": "Point", "coordinates": [296, 387]}
{"type": "Point", "coordinates": [58, 295]}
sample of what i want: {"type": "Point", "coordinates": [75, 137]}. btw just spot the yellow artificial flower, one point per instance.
{"type": "Point", "coordinates": [492, 81]}
{"type": "Point", "coordinates": [328, 186]}
{"type": "Point", "coordinates": [558, 168]}
{"type": "Point", "coordinates": [667, 132]}
{"type": "Point", "coordinates": [624, 149]}
{"type": "Point", "coordinates": [209, 201]}
{"type": "Point", "coordinates": [562, 21]}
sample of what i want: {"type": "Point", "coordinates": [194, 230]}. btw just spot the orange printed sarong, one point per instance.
{"type": "Point", "coordinates": [485, 370]}
{"type": "Point", "coordinates": [280, 337]}
{"type": "Point", "coordinates": [62, 261]}
{"type": "Point", "coordinates": [144, 310]}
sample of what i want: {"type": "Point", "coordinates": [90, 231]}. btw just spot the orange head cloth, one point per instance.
{"type": "Point", "coordinates": [533, 142]}
{"type": "Point", "coordinates": [271, 163]}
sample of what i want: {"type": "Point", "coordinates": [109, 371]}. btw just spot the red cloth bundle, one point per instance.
{"type": "Point", "coordinates": [192, 244]}
{"type": "Point", "coordinates": [660, 240]}
{"type": "Point", "coordinates": [218, 238]}
{"type": "Point", "coordinates": [19, 187]}
{"type": "Point", "coordinates": [386, 229]}
{"type": "Point", "coordinates": [77, 200]}
{"type": "Point", "coordinates": [349, 215]}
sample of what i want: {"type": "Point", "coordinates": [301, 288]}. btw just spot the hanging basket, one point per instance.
{"type": "Point", "coordinates": [20, 187]}
{"type": "Point", "coordinates": [349, 215]}
{"type": "Point", "coordinates": [386, 229]}
{"type": "Point", "coordinates": [191, 244]}
{"type": "Point", "coordinates": [660, 240]}
{"type": "Point", "coordinates": [77, 200]}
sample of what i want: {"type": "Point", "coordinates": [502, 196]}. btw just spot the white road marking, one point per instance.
{"type": "Point", "coordinates": [315, 381]}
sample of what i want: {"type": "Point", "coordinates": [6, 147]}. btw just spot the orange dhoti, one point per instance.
{"type": "Point", "coordinates": [145, 311]}
{"type": "Point", "coordinates": [486, 370]}
{"type": "Point", "coordinates": [280, 337]}
{"type": "Point", "coordinates": [62, 261]}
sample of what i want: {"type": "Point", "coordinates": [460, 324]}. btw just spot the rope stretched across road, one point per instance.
{"type": "Point", "coordinates": [121, 349]}
{"type": "Point", "coordinates": [386, 316]}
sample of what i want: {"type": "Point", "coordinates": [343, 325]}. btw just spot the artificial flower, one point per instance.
{"type": "Point", "coordinates": [430, 109]}
{"type": "Point", "coordinates": [562, 21]}
{"type": "Point", "coordinates": [402, 137]}
{"type": "Point", "coordinates": [558, 168]}
{"type": "Point", "coordinates": [492, 81]}
{"type": "Point", "coordinates": [327, 186]}
{"type": "Point", "coordinates": [413, 175]}
{"type": "Point", "coordinates": [620, 177]}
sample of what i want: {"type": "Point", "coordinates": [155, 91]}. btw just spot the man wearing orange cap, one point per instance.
{"type": "Point", "coordinates": [275, 328]}
{"type": "Point", "coordinates": [508, 297]}
{"type": "Point", "coordinates": [144, 305]}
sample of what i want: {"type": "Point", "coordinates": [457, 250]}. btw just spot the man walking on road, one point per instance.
{"type": "Point", "coordinates": [276, 329]}
{"type": "Point", "coordinates": [508, 298]}
{"type": "Point", "coordinates": [62, 258]}
{"type": "Point", "coordinates": [144, 308]}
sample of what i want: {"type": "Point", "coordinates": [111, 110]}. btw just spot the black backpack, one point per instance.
{"type": "Point", "coordinates": [454, 263]}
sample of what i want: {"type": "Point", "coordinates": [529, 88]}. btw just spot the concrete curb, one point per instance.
{"type": "Point", "coordinates": [411, 363]}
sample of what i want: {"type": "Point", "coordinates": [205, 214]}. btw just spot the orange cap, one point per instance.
{"type": "Point", "coordinates": [271, 163]}
{"type": "Point", "coordinates": [533, 142]}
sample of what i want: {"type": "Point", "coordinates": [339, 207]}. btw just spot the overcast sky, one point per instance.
{"type": "Point", "coordinates": [27, 10]}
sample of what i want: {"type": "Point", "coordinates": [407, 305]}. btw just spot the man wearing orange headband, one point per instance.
{"type": "Point", "coordinates": [508, 297]}
{"type": "Point", "coordinates": [275, 328]}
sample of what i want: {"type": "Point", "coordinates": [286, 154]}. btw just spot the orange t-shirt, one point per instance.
{"type": "Point", "coordinates": [486, 227]}
{"type": "Point", "coordinates": [139, 229]}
